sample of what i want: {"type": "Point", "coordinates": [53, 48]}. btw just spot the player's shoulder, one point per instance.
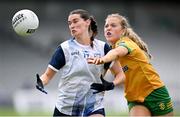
{"type": "Point", "coordinates": [66, 43]}
{"type": "Point", "coordinates": [101, 44]}
{"type": "Point", "coordinates": [126, 40]}
{"type": "Point", "coordinates": [97, 41]}
{"type": "Point", "coordinates": [130, 42]}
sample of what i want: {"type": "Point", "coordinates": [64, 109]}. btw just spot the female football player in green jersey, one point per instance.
{"type": "Point", "coordinates": [145, 92]}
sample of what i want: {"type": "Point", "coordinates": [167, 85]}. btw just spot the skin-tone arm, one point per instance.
{"type": "Point", "coordinates": [110, 56]}
{"type": "Point", "coordinates": [47, 75]}
{"type": "Point", "coordinates": [116, 69]}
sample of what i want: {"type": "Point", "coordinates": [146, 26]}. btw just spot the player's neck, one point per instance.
{"type": "Point", "coordinates": [84, 40]}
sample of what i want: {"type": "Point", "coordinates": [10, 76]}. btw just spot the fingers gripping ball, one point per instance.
{"type": "Point", "coordinates": [25, 22]}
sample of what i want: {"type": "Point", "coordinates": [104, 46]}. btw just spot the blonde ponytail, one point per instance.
{"type": "Point", "coordinates": [131, 34]}
{"type": "Point", "coordinates": [134, 37]}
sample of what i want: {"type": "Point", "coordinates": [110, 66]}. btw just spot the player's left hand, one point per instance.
{"type": "Point", "coordinates": [40, 85]}
{"type": "Point", "coordinates": [105, 86]}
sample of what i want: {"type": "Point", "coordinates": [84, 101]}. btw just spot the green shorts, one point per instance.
{"type": "Point", "coordinates": [158, 102]}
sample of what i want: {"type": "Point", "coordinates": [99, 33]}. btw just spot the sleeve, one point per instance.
{"type": "Point", "coordinates": [126, 45]}
{"type": "Point", "coordinates": [58, 59]}
{"type": "Point", "coordinates": [106, 50]}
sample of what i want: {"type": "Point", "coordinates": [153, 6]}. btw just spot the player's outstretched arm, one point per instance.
{"type": "Point", "coordinates": [110, 56]}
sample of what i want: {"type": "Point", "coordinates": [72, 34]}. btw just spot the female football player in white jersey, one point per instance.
{"type": "Point", "coordinates": [75, 98]}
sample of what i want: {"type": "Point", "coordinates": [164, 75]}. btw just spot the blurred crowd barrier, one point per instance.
{"type": "Point", "coordinates": [28, 101]}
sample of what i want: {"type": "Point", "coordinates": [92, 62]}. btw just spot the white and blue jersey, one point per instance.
{"type": "Point", "coordinates": [74, 94]}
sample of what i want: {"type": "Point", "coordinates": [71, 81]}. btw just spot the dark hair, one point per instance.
{"type": "Point", "coordinates": [93, 26]}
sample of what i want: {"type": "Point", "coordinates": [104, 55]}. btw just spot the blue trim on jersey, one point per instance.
{"type": "Point", "coordinates": [78, 105]}
{"type": "Point", "coordinates": [90, 103]}
{"type": "Point", "coordinates": [58, 59]}
{"type": "Point", "coordinates": [99, 111]}
{"type": "Point", "coordinates": [106, 50]}
{"type": "Point", "coordinates": [84, 106]}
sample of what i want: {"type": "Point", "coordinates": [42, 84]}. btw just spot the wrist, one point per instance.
{"type": "Point", "coordinates": [102, 60]}
{"type": "Point", "coordinates": [110, 86]}
{"type": "Point", "coordinates": [114, 83]}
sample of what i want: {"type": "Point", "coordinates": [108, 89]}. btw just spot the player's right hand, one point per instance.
{"type": "Point", "coordinates": [105, 86]}
{"type": "Point", "coordinates": [95, 61]}
{"type": "Point", "coordinates": [39, 84]}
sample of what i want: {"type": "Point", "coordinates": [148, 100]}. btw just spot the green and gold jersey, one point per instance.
{"type": "Point", "coordinates": [141, 77]}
